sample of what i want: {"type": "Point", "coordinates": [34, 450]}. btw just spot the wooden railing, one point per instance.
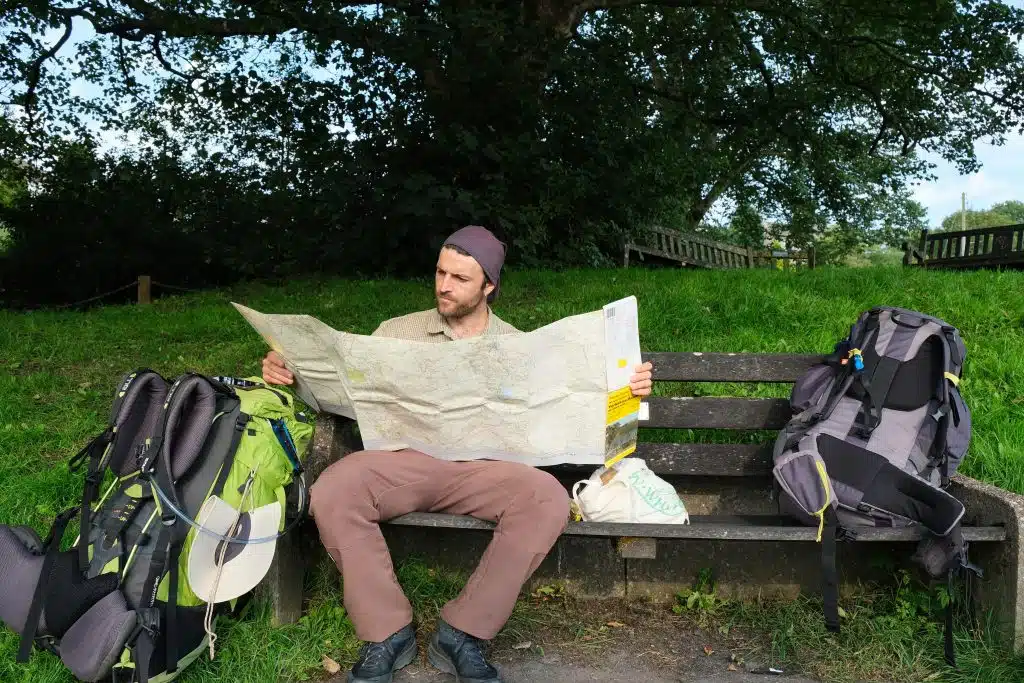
{"type": "Point", "coordinates": [977, 248]}
{"type": "Point", "coordinates": [695, 250]}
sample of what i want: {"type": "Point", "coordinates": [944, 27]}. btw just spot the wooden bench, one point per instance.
{"type": "Point", "coordinates": [1001, 246]}
{"type": "Point", "coordinates": [727, 488]}
{"type": "Point", "coordinates": [689, 249]}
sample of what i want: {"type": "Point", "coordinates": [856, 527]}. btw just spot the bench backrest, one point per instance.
{"type": "Point", "coordinates": [677, 457]}
{"type": "Point", "coordinates": [732, 413]}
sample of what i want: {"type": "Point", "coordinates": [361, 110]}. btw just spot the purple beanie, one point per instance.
{"type": "Point", "coordinates": [482, 245]}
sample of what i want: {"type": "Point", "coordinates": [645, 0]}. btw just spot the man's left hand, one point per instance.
{"type": "Point", "coordinates": [640, 383]}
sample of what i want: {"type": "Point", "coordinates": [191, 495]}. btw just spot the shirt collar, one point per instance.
{"type": "Point", "coordinates": [436, 324]}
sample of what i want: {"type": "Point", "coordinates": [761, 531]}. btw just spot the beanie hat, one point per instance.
{"type": "Point", "coordinates": [482, 245]}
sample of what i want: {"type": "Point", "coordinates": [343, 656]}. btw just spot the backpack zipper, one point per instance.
{"type": "Point", "coordinates": [275, 392]}
{"type": "Point", "coordinates": [247, 384]}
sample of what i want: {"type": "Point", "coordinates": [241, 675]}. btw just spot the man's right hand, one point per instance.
{"type": "Point", "coordinates": [274, 371]}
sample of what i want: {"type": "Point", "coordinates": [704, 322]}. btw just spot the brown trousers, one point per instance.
{"type": "Point", "coordinates": [355, 494]}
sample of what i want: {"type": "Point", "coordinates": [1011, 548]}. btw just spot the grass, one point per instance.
{"type": "Point", "coordinates": [889, 633]}
{"type": "Point", "coordinates": [58, 371]}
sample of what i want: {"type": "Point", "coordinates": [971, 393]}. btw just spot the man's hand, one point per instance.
{"type": "Point", "coordinates": [274, 371]}
{"type": "Point", "coordinates": [640, 383]}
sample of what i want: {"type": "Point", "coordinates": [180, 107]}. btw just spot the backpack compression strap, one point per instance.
{"type": "Point", "coordinates": [876, 390]}
{"type": "Point", "coordinates": [35, 610]}
{"type": "Point", "coordinates": [92, 455]}
{"type": "Point", "coordinates": [946, 556]}
{"type": "Point", "coordinates": [946, 411]}
{"type": "Point", "coordinates": [830, 577]}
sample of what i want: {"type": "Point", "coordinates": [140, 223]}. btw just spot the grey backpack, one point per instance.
{"type": "Point", "coordinates": [878, 428]}
{"type": "Point", "coordinates": [119, 605]}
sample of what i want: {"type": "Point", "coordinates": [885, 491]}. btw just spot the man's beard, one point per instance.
{"type": "Point", "coordinates": [461, 310]}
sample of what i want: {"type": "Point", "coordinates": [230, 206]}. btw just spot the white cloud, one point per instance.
{"type": "Point", "coordinates": [1000, 178]}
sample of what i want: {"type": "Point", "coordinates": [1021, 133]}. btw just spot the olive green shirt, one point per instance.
{"type": "Point", "coordinates": [430, 326]}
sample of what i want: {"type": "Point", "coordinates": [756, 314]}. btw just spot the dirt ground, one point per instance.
{"type": "Point", "coordinates": [611, 641]}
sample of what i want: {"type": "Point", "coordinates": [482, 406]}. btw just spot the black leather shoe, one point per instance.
{"type": "Point", "coordinates": [459, 654]}
{"type": "Point", "coordinates": [378, 662]}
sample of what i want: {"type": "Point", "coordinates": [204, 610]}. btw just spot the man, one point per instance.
{"type": "Point", "coordinates": [355, 494]}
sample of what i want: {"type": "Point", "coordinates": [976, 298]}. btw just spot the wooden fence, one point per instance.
{"type": "Point", "coordinates": [977, 248]}
{"type": "Point", "coordinates": [689, 249]}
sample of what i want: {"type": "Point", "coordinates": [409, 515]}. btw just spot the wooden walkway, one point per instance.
{"type": "Point", "coordinates": [967, 249]}
{"type": "Point", "coordinates": [688, 249]}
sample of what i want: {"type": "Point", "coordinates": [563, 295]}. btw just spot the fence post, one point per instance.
{"type": "Point", "coordinates": [810, 257]}
{"type": "Point", "coordinates": [144, 289]}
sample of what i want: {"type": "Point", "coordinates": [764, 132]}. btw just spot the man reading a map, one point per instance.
{"type": "Point", "coordinates": [355, 494]}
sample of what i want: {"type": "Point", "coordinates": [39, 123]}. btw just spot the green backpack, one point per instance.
{"type": "Point", "coordinates": [185, 494]}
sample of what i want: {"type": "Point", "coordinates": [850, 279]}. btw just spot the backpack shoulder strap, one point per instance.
{"type": "Point", "coordinates": [188, 414]}
{"type": "Point", "coordinates": [136, 406]}
{"type": "Point", "coordinates": [186, 419]}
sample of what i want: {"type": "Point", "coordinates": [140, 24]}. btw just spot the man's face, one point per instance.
{"type": "Point", "coordinates": [460, 285]}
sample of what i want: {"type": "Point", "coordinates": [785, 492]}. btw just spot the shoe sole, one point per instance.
{"type": "Point", "coordinates": [403, 660]}
{"type": "Point", "coordinates": [440, 661]}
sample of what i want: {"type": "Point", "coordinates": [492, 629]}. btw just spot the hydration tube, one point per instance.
{"type": "Point", "coordinates": [248, 541]}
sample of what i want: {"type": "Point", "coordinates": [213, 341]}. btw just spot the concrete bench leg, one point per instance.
{"type": "Point", "coordinates": [1000, 592]}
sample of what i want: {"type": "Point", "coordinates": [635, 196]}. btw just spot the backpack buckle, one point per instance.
{"type": "Point", "coordinates": [862, 431]}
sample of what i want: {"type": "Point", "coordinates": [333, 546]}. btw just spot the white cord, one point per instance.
{"type": "Point", "coordinates": [199, 527]}
{"type": "Point", "coordinates": [208, 619]}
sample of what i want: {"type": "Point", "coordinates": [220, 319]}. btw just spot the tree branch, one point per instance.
{"type": "Point", "coordinates": [724, 182]}
{"type": "Point", "coordinates": [267, 21]}
{"type": "Point", "coordinates": [884, 48]}
{"type": "Point", "coordinates": [128, 80]}
{"type": "Point", "coordinates": [755, 56]}
{"type": "Point", "coordinates": [165, 63]}
{"type": "Point", "coordinates": [887, 116]}
{"type": "Point", "coordinates": [687, 105]}
{"type": "Point", "coordinates": [35, 70]}
{"type": "Point", "coordinates": [769, 7]}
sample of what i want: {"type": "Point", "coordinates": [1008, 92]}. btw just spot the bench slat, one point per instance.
{"type": "Point", "coordinates": [707, 459]}
{"type": "Point", "coordinates": [729, 367]}
{"type": "Point", "coordinates": [700, 528]}
{"type": "Point", "coordinates": [715, 412]}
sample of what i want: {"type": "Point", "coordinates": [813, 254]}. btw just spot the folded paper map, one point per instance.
{"type": "Point", "coordinates": [558, 394]}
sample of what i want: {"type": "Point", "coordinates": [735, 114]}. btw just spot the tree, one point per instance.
{"type": "Point", "coordinates": [563, 123]}
{"type": "Point", "coordinates": [988, 218]}
{"type": "Point", "coordinates": [1012, 209]}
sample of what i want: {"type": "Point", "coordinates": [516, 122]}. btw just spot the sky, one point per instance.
{"type": "Point", "coordinates": [999, 178]}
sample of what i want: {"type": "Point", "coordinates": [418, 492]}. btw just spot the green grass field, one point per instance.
{"type": "Point", "coordinates": [58, 371]}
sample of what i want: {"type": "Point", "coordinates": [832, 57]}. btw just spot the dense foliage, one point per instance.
{"type": "Point", "coordinates": [271, 136]}
{"type": "Point", "coordinates": [1003, 213]}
